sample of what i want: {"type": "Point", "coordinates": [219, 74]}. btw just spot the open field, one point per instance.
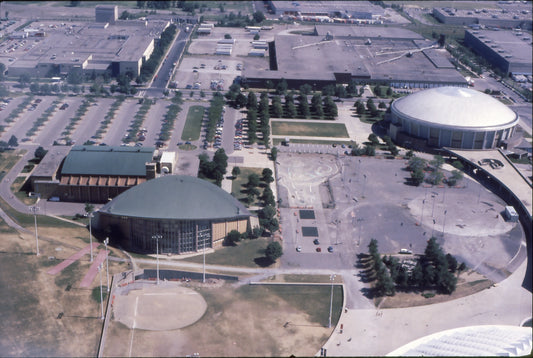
{"type": "Point", "coordinates": [244, 254]}
{"type": "Point", "coordinates": [248, 320]}
{"type": "Point", "coordinates": [278, 141]}
{"type": "Point", "coordinates": [237, 184]}
{"type": "Point", "coordinates": [193, 124]}
{"type": "Point", "coordinates": [32, 299]}
{"type": "Point", "coordinates": [309, 129]}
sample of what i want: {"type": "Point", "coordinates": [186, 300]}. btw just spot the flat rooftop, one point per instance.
{"type": "Point", "coordinates": [328, 7]}
{"type": "Point", "coordinates": [508, 175]}
{"type": "Point", "coordinates": [366, 32]}
{"type": "Point", "coordinates": [312, 57]}
{"type": "Point", "coordinates": [514, 43]}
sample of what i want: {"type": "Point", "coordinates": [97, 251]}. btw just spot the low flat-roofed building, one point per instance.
{"type": "Point", "coordinates": [309, 10]}
{"type": "Point", "coordinates": [402, 60]}
{"type": "Point", "coordinates": [502, 15]}
{"type": "Point", "coordinates": [510, 51]}
{"type": "Point", "coordinates": [95, 173]}
{"type": "Point", "coordinates": [92, 48]}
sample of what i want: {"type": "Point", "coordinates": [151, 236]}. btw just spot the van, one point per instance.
{"type": "Point", "coordinates": [54, 198]}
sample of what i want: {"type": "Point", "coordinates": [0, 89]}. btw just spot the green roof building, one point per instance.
{"type": "Point", "coordinates": [188, 213]}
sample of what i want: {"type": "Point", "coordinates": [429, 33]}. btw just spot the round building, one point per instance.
{"type": "Point", "coordinates": [180, 214]}
{"type": "Point", "coordinates": [454, 117]}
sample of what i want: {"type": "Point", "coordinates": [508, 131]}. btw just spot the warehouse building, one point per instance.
{"type": "Point", "coordinates": [97, 174]}
{"type": "Point", "coordinates": [510, 51]}
{"type": "Point", "coordinates": [453, 117]}
{"type": "Point", "coordinates": [380, 55]}
{"type": "Point", "coordinates": [187, 213]}
{"type": "Point", "coordinates": [116, 47]}
{"type": "Point", "coordinates": [508, 15]}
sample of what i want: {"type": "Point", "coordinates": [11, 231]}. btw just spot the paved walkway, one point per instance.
{"type": "Point", "coordinates": [90, 275]}
{"type": "Point", "coordinates": [371, 332]}
{"type": "Point", "coordinates": [67, 262]}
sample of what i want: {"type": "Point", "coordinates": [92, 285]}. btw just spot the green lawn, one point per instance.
{"type": "Point", "coordinates": [237, 184]}
{"type": "Point", "coordinates": [278, 141]}
{"type": "Point", "coordinates": [243, 254]}
{"type": "Point", "coordinates": [193, 125]}
{"type": "Point", "coordinates": [309, 129]}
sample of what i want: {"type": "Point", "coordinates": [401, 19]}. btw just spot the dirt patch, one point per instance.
{"type": "Point", "coordinates": [467, 284]}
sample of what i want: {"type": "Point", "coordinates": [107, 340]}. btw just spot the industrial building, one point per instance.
{"type": "Point", "coordinates": [329, 11]}
{"type": "Point", "coordinates": [364, 54]}
{"type": "Point", "coordinates": [189, 214]}
{"type": "Point", "coordinates": [97, 174]}
{"type": "Point", "coordinates": [106, 45]}
{"type": "Point", "coordinates": [508, 15]}
{"type": "Point", "coordinates": [510, 51]}
{"type": "Point", "coordinates": [453, 117]}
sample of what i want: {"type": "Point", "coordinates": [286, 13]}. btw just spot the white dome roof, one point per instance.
{"type": "Point", "coordinates": [456, 107]}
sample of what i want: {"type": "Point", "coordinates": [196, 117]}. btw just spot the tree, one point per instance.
{"type": "Point", "coordinates": [233, 237]}
{"type": "Point", "coordinates": [227, 36]}
{"type": "Point", "coordinates": [267, 218]}
{"type": "Point", "coordinates": [417, 176]}
{"type": "Point", "coordinates": [24, 79]}
{"type": "Point", "coordinates": [452, 262]}
{"type": "Point", "coordinates": [416, 163]}
{"type": "Point", "coordinates": [437, 161]}
{"type": "Point", "coordinates": [277, 108]}
{"type": "Point", "coordinates": [268, 197]}
{"type": "Point", "coordinates": [369, 150]}
{"type": "Point", "coordinates": [305, 89]}
{"type": "Point", "coordinates": [340, 91]}
{"type": "Point", "coordinates": [253, 181]}
{"type": "Point", "coordinates": [258, 17]}
{"type": "Point", "coordinates": [328, 90]}
{"type": "Point", "coordinates": [13, 141]}
{"type": "Point", "coordinates": [240, 100]}
{"type": "Point", "coordinates": [2, 71]}
{"type": "Point", "coordinates": [267, 175]}
{"type": "Point", "coordinates": [281, 87]}
{"type": "Point", "coordinates": [256, 37]}
{"type": "Point", "coordinates": [273, 251]}
{"type": "Point", "coordinates": [220, 159]}
{"type": "Point", "coordinates": [274, 153]}
{"type": "Point", "coordinates": [235, 172]}
{"type": "Point", "coordinates": [290, 110]}
{"type": "Point", "coordinates": [251, 101]}
{"type": "Point", "coordinates": [40, 153]}
{"type": "Point", "coordinates": [436, 177]}
{"type": "Point", "coordinates": [330, 108]}
{"type": "Point", "coordinates": [374, 140]}
{"type": "Point", "coordinates": [456, 176]}
{"type": "Point", "coordinates": [303, 106]}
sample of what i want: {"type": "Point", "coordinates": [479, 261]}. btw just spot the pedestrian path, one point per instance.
{"type": "Point", "coordinates": [67, 262]}
{"type": "Point", "coordinates": [90, 275]}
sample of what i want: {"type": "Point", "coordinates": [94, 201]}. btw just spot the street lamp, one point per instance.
{"type": "Point", "coordinates": [34, 210]}
{"type": "Point", "coordinates": [157, 237]}
{"type": "Point", "coordinates": [90, 215]}
{"type": "Point", "coordinates": [101, 294]}
{"type": "Point", "coordinates": [331, 278]}
{"type": "Point", "coordinates": [106, 241]}
{"type": "Point", "coordinates": [364, 184]}
{"type": "Point", "coordinates": [444, 223]}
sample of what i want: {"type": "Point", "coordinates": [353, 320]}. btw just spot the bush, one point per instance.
{"type": "Point", "coordinates": [428, 295]}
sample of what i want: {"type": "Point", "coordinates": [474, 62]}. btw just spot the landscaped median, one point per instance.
{"type": "Point", "coordinates": [309, 129]}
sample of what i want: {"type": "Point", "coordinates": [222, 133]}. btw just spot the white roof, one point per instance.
{"type": "Point", "coordinates": [490, 340]}
{"type": "Point", "coordinates": [456, 107]}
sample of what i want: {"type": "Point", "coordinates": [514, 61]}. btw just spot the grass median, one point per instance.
{"type": "Point", "coordinates": [193, 124]}
{"type": "Point", "coordinates": [305, 129]}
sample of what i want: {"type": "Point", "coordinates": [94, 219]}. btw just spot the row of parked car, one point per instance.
{"type": "Point", "coordinates": [237, 141]}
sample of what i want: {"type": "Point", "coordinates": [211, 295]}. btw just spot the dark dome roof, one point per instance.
{"type": "Point", "coordinates": [176, 197]}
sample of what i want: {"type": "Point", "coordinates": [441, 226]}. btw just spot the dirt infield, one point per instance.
{"type": "Point", "coordinates": [147, 306]}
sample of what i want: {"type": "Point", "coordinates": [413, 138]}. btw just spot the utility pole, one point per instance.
{"type": "Point", "coordinates": [101, 294]}
{"type": "Point", "coordinates": [90, 215]}
{"type": "Point", "coordinates": [106, 241]}
{"type": "Point", "coordinates": [34, 210]}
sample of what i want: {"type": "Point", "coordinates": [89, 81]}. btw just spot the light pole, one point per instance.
{"type": "Point", "coordinates": [157, 237]}
{"type": "Point", "coordinates": [422, 215]}
{"type": "Point", "coordinates": [90, 215]}
{"type": "Point", "coordinates": [364, 185]}
{"type": "Point", "coordinates": [101, 294]}
{"type": "Point", "coordinates": [444, 223]}
{"type": "Point", "coordinates": [331, 278]}
{"type": "Point", "coordinates": [34, 210]}
{"type": "Point", "coordinates": [106, 241]}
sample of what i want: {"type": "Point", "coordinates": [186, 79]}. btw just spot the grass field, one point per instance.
{"type": "Point", "coordinates": [278, 141]}
{"type": "Point", "coordinates": [244, 254]}
{"type": "Point", "coordinates": [309, 129]}
{"type": "Point", "coordinates": [237, 184]}
{"type": "Point", "coordinates": [193, 124]}
{"type": "Point", "coordinates": [248, 320]}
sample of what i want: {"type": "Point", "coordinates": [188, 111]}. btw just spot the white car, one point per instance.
{"type": "Point", "coordinates": [299, 248]}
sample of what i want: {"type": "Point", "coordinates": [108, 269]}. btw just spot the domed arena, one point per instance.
{"type": "Point", "coordinates": [453, 117]}
{"type": "Point", "coordinates": [173, 214]}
